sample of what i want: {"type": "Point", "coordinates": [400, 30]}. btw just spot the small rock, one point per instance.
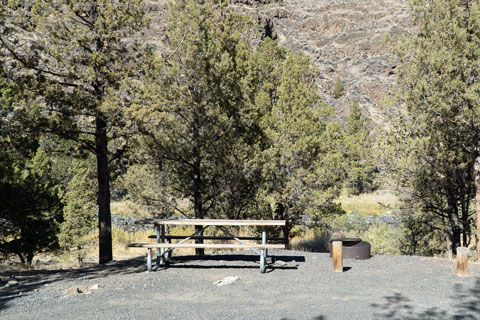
{"type": "Point", "coordinates": [73, 291]}
{"type": "Point", "coordinates": [94, 287]}
{"type": "Point", "coordinates": [12, 282]}
{"type": "Point", "coordinates": [225, 281]}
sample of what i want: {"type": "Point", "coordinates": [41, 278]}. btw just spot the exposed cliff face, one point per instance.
{"type": "Point", "coordinates": [341, 37]}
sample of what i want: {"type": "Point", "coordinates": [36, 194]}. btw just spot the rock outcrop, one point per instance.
{"type": "Point", "coordinates": [343, 38]}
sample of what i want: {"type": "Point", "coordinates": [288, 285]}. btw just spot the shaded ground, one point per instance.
{"type": "Point", "coordinates": [299, 286]}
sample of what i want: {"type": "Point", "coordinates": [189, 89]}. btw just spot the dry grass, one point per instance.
{"type": "Point", "coordinates": [127, 208]}
{"type": "Point", "coordinates": [310, 242]}
{"type": "Point", "coordinates": [371, 204]}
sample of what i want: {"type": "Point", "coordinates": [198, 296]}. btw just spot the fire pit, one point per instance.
{"type": "Point", "coordinates": [353, 248]}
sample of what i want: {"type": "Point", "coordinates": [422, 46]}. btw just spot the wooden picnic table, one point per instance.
{"type": "Point", "coordinates": [163, 247]}
{"type": "Point", "coordinates": [211, 222]}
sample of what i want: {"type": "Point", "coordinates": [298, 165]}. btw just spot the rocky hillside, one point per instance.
{"type": "Point", "coordinates": [342, 37]}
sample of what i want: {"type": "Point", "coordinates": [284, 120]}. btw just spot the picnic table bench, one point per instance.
{"type": "Point", "coordinates": [163, 247]}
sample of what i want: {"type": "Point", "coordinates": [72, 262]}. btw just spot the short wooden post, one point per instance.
{"type": "Point", "coordinates": [462, 261]}
{"type": "Point", "coordinates": [337, 255]}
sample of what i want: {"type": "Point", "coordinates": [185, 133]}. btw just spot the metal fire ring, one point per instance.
{"type": "Point", "coordinates": [347, 242]}
{"type": "Point", "coordinates": [353, 248]}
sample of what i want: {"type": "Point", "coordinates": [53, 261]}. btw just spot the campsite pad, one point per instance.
{"type": "Point", "coordinates": [300, 286]}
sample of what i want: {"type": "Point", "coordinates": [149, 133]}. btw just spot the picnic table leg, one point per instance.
{"type": "Point", "coordinates": [263, 254]}
{"type": "Point", "coordinates": [149, 259]}
{"type": "Point", "coordinates": [169, 252]}
{"type": "Point", "coordinates": [158, 249]}
{"type": "Point", "coordinates": [162, 250]}
{"type": "Point", "coordinates": [262, 261]}
{"type": "Point", "coordinates": [264, 241]}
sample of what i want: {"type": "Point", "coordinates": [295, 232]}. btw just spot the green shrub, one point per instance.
{"type": "Point", "coordinates": [384, 238]}
{"type": "Point", "coordinates": [352, 224]}
{"type": "Point", "coordinates": [338, 88]}
{"type": "Point", "coordinates": [78, 213]}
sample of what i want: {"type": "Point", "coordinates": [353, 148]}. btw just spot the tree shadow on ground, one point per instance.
{"type": "Point", "coordinates": [314, 318]}
{"type": "Point", "coordinates": [30, 280]}
{"type": "Point", "coordinates": [197, 266]}
{"type": "Point", "coordinates": [237, 257]}
{"type": "Point", "coordinates": [288, 261]}
{"type": "Point", "coordinates": [467, 306]}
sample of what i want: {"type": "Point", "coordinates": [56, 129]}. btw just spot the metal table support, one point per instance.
{"type": "Point", "coordinates": [158, 249]}
{"type": "Point", "coordinates": [149, 259]}
{"type": "Point", "coordinates": [264, 252]}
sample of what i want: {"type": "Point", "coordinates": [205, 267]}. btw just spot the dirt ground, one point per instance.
{"type": "Point", "coordinates": [298, 285]}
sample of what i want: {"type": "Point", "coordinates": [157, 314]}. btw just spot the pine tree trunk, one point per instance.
{"type": "Point", "coordinates": [30, 256]}
{"type": "Point", "coordinates": [199, 251]}
{"type": "Point", "coordinates": [454, 228]}
{"type": "Point", "coordinates": [476, 175]}
{"type": "Point", "coordinates": [197, 183]}
{"type": "Point", "coordinates": [286, 231]}
{"type": "Point", "coordinates": [198, 205]}
{"type": "Point", "coordinates": [454, 240]}
{"type": "Point", "coordinates": [103, 198]}
{"type": "Point", "coordinates": [281, 212]}
{"type": "Point", "coordinates": [22, 259]}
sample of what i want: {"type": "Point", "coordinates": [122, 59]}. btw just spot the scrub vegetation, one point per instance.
{"type": "Point", "coordinates": [223, 122]}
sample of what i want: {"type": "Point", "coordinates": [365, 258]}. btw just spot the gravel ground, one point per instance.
{"type": "Point", "coordinates": [298, 285]}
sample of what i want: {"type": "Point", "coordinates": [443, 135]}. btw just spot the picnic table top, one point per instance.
{"type": "Point", "coordinates": [212, 222]}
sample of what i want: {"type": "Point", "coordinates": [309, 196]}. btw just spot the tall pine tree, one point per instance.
{"type": "Point", "coordinates": [30, 203]}
{"type": "Point", "coordinates": [302, 168]}
{"type": "Point", "coordinates": [439, 87]}
{"type": "Point", "coordinates": [196, 117]}
{"type": "Point", "coordinates": [78, 212]}
{"type": "Point", "coordinates": [75, 55]}
{"type": "Point", "coordinates": [358, 144]}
